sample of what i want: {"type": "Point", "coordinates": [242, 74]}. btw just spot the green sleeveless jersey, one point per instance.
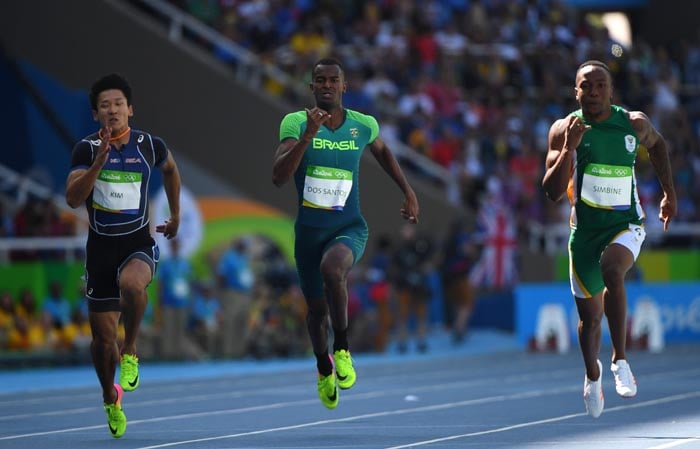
{"type": "Point", "coordinates": [327, 179]}
{"type": "Point", "coordinates": [603, 186]}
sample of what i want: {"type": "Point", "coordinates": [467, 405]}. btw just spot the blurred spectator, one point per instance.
{"type": "Point", "coordinates": [309, 42]}
{"type": "Point", "coordinates": [267, 335]}
{"type": "Point", "coordinates": [411, 265]}
{"type": "Point", "coordinates": [355, 96]}
{"type": "Point", "coordinates": [380, 291]}
{"type": "Point", "coordinates": [293, 306]}
{"type": "Point", "coordinates": [39, 217]}
{"type": "Point", "coordinates": [460, 253]}
{"type": "Point", "coordinates": [27, 335]}
{"type": "Point", "coordinates": [206, 317]}
{"type": "Point", "coordinates": [236, 278]}
{"type": "Point", "coordinates": [175, 279]}
{"type": "Point", "coordinates": [446, 147]}
{"type": "Point", "coordinates": [362, 316]}
{"type": "Point", "coordinates": [7, 317]}
{"type": "Point", "coordinates": [27, 306]}
{"type": "Point", "coordinates": [76, 335]}
{"type": "Point", "coordinates": [378, 85]}
{"type": "Point", "coordinates": [275, 270]}
{"type": "Point", "coordinates": [27, 223]}
{"type": "Point", "coordinates": [57, 306]}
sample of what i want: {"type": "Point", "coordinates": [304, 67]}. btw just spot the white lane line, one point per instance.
{"type": "Point", "coordinates": [184, 397]}
{"type": "Point", "coordinates": [190, 398]}
{"type": "Point", "coordinates": [678, 397]}
{"type": "Point", "coordinates": [485, 400]}
{"type": "Point", "coordinates": [676, 443]}
{"type": "Point", "coordinates": [428, 408]}
{"type": "Point", "coordinates": [490, 399]}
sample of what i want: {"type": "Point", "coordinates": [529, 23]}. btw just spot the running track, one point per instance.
{"type": "Point", "coordinates": [486, 394]}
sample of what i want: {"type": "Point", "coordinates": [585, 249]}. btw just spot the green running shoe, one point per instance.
{"type": "Point", "coordinates": [328, 391]}
{"type": "Point", "coordinates": [129, 372]}
{"type": "Point", "coordinates": [344, 369]}
{"type": "Point", "coordinates": [115, 415]}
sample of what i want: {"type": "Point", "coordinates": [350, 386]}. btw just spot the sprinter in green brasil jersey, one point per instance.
{"type": "Point", "coordinates": [321, 148]}
{"type": "Point", "coordinates": [591, 158]}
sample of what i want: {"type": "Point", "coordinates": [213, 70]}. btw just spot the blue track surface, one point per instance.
{"type": "Point", "coordinates": [487, 393]}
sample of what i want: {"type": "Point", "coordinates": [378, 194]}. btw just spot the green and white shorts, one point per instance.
{"type": "Point", "coordinates": [586, 248]}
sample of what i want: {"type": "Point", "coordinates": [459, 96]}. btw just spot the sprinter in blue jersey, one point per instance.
{"type": "Point", "coordinates": [321, 148]}
{"type": "Point", "coordinates": [110, 173]}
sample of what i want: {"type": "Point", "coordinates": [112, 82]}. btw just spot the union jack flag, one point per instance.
{"type": "Point", "coordinates": [496, 268]}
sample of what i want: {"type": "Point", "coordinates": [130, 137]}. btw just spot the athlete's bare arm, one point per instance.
{"type": "Point", "coordinates": [290, 151]}
{"type": "Point", "coordinates": [658, 154]}
{"type": "Point", "coordinates": [80, 182]}
{"type": "Point", "coordinates": [171, 184]}
{"type": "Point", "coordinates": [564, 136]}
{"type": "Point", "coordinates": [388, 162]}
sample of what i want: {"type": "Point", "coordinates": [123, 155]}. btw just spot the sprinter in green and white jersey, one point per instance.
{"type": "Point", "coordinates": [321, 148]}
{"type": "Point", "coordinates": [591, 158]}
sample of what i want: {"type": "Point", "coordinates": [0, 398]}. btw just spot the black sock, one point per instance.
{"type": "Point", "coordinates": [323, 363]}
{"type": "Point", "coordinates": [340, 339]}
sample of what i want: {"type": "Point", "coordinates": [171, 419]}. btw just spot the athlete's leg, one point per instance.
{"type": "Point", "coordinates": [134, 277]}
{"type": "Point", "coordinates": [317, 326]}
{"type": "Point", "coordinates": [104, 350]}
{"type": "Point", "coordinates": [615, 262]}
{"type": "Point", "coordinates": [590, 313]}
{"type": "Point", "coordinates": [335, 267]}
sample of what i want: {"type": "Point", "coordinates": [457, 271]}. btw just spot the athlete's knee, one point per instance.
{"type": "Point", "coordinates": [613, 274]}
{"type": "Point", "coordinates": [103, 337]}
{"type": "Point", "coordinates": [134, 277]}
{"type": "Point", "coordinates": [590, 321]}
{"type": "Point", "coordinates": [333, 274]}
{"type": "Point", "coordinates": [590, 312]}
{"type": "Point", "coordinates": [132, 286]}
{"type": "Point", "coordinates": [336, 264]}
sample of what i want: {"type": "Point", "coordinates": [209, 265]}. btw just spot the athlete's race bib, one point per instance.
{"type": "Point", "coordinates": [326, 187]}
{"type": "Point", "coordinates": [117, 191]}
{"type": "Point", "coordinates": [607, 186]}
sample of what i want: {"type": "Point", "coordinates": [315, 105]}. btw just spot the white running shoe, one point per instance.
{"type": "Point", "coordinates": [625, 384]}
{"type": "Point", "coordinates": [593, 394]}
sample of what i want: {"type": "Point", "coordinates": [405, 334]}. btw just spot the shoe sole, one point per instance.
{"type": "Point", "coordinates": [627, 396]}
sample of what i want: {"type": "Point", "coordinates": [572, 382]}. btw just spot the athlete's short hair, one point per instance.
{"type": "Point", "coordinates": [595, 63]}
{"type": "Point", "coordinates": [328, 61]}
{"type": "Point", "coordinates": [107, 82]}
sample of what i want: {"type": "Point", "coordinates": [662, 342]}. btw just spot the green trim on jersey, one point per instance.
{"type": "Point", "coordinates": [611, 143]}
{"type": "Point", "coordinates": [339, 148]}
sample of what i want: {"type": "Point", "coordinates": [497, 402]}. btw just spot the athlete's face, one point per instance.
{"type": "Point", "coordinates": [594, 91]}
{"type": "Point", "coordinates": [328, 85]}
{"type": "Point", "coordinates": [113, 110]}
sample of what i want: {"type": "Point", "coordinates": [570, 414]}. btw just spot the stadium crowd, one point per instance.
{"type": "Point", "coordinates": [475, 84]}
{"type": "Point", "coordinates": [471, 84]}
{"type": "Point", "coordinates": [250, 304]}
